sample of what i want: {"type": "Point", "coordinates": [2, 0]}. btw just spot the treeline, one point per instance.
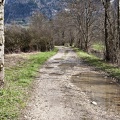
{"type": "Point", "coordinates": [35, 37]}
{"type": "Point", "coordinates": [80, 24]}
{"type": "Point", "coordinates": [84, 22]}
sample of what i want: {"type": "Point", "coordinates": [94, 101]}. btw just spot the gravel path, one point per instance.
{"type": "Point", "coordinates": [56, 98]}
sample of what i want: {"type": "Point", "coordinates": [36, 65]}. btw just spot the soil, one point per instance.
{"type": "Point", "coordinates": [59, 92]}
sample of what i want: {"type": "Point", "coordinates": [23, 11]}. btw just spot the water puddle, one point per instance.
{"type": "Point", "coordinates": [67, 65]}
{"type": "Point", "coordinates": [99, 88]}
{"type": "Point", "coordinates": [56, 74]}
{"type": "Point", "coordinates": [67, 51]}
{"type": "Point", "coordinates": [55, 62]}
{"type": "Point", "coordinates": [58, 59]}
{"type": "Point", "coordinates": [49, 67]}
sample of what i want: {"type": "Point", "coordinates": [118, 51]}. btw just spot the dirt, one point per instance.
{"type": "Point", "coordinates": [60, 91]}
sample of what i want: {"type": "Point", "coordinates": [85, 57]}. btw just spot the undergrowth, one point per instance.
{"type": "Point", "coordinates": [18, 80]}
{"type": "Point", "coordinates": [98, 47]}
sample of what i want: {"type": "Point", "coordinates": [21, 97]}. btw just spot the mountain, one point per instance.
{"type": "Point", "coordinates": [21, 10]}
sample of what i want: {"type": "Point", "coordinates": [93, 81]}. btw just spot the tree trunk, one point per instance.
{"type": "Point", "coordinates": [118, 30]}
{"type": "Point", "coordinates": [1, 42]}
{"type": "Point", "coordinates": [118, 21]}
{"type": "Point", "coordinates": [107, 54]}
{"type": "Point", "coordinates": [107, 51]}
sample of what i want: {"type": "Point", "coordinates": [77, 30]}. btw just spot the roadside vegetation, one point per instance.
{"type": "Point", "coordinates": [19, 79]}
{"type": "Point", "coordinates": [35, 37]}
{"type": "Point", "coordinates": [98, 47]}
{"type": "Point", "coordinates": [92, 60]}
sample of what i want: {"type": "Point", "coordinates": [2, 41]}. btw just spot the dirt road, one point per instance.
{"type": "Point", "coordinates": [57, 97]}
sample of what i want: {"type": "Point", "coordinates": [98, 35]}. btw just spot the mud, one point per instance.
{"type": "Point", "coordinates": [100, 88]}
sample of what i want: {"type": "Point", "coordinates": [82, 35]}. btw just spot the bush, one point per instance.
{"type": "Point", "coordinates": [36, 37]}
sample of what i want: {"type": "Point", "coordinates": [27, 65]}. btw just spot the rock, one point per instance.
{"type": "Point", "coordinates": [94, 103]}
{"type": "Point", "coordinates": [111, 82]}
{"type": "Point", "coordinates": [25, 117]}
{"type": "Point", "coordinates": [105, 77]}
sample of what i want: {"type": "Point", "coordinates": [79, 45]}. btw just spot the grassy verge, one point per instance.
{"type": "Point", "coordinates": [18, 79]}
{"type": "Point", "coordinates": [100, 64]}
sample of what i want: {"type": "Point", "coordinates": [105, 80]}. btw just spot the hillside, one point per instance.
{"type": "Point", "coordinates": [21, 10]}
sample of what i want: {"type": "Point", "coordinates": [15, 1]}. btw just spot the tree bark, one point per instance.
{"type": "Point", "coordinates": [107, 55]}
{"type": "Point", "coordinates": [118, 33]}
{"type": "Point", "coordinates": [1, 42]}
{"type": "Point", "coordinates": [118, 30]}
{"type": "Point", "coordinates": [107, 50]}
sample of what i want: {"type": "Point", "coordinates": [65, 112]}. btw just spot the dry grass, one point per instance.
{"type": "Point", "coordinates": [12, 60]}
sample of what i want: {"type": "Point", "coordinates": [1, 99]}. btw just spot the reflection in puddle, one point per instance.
{"type": "Point", "coordinates": [100, 89]}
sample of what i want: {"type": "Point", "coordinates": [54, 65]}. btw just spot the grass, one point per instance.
{"type": "Point", "coordinates": [98, 47]}
{"type": "Point", "coordinates": [113, 71]}
{"type": "Point", "coordinates": [19, 79]}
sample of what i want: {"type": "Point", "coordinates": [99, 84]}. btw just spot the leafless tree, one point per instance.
{"type": "Point", "coordinates": [111, 30]}
{"type": "Point", "coordinates": [84, 14]}
{"type": "Point", "coordinates": [41, 32]}
{"type": "Point", "coordinates": [1, 42]}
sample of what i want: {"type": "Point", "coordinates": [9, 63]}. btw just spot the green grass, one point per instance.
{"type": "Point", "coordinates": [18, 81]}
{"type": "Point", "coordinates": [98, 47]}
{"type": "Point", "coordinates": [100, 64]}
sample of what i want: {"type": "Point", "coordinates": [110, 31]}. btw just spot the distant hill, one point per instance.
{"type": "Point", "coordinates": [21, 10]}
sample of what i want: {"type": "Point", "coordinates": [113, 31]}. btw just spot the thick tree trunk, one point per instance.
{"type": "Point", "coordinates": [118, 30]}
{"type": "Point", "coordinates": [107, 54]}
{"type": "Point", "coordinates": [118, 21]}
{"type": "Point", "coordinates": [107, 47]}
{"type": "Point", "coordinates": [1, 42]}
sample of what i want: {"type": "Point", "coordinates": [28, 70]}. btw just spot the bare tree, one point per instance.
{"type": "Point", "coordinates": [60, 24]}
{"type": "Point", "coordinates": [1, 42]}
{"type": "Point", "coordinates": [106, 5]}
{"type": "Point", "coordinates": [41, 32]}
{"type": "Point", "coordinates": [111, 28]}
{"type": "Point", "coordinates": [118, 30]}
{"type": "Point", "coordinates": [84, 14]}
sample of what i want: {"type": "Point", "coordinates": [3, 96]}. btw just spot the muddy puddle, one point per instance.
{"type": "Point", "coordinates": [67, 65]}
{"type": "Point", "coordinates": [49, 67]}
{"type": "Point", "coordinates": [99, 88]}
{"type": "Point", "coordinates": [58, 59]}
{"type": "Point", "coordinates": [55, 62]}
{"type": "Point", "coordinates": [56, 73]}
